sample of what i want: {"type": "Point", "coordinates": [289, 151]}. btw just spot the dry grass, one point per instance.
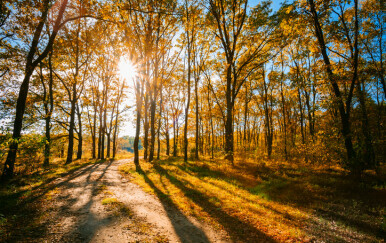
{"type": "Point", "coordinates": [123, 154]}
{"type": "Point", "coordinates": [270, 200]}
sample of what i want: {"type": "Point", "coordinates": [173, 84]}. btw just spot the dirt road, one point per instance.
{"type": "Point", "coordinates": [98, 204]}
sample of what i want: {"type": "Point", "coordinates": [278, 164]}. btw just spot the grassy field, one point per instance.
{"type": "Point", "coordinates": [276, 201]}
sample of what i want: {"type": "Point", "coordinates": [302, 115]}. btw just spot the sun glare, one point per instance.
{"type": "Point", "coordinates": [127, 69]}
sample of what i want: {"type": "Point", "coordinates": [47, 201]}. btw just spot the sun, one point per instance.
{"type": "Point", "coordinates": [127, 69]}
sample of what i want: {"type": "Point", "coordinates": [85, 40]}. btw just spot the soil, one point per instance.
{"type": "Point", "coordinates": [98, 204]}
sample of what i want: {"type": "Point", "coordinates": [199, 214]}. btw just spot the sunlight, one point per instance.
{"type": "Point", "coordinates": [127, 69]}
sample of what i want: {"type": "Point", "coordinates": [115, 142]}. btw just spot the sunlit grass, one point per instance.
{"type": "Point", "coordinates": [123, 154]}
{"type": "Point", "coordinates": [279, 200]}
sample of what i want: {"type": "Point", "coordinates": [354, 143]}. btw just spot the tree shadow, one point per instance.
{"type": "Point", "coordinates": [238, 230]}
{"type": "Point", "coordinates": [83, 230]}
{"type": "Point", "coordinates": [177, 218]}
{"type": "Point", "coordinates": [42, 189]}
{"type": "Point", "coordinates": [330, 202]}
{"type": "Point", "coordinates": [30, 209]}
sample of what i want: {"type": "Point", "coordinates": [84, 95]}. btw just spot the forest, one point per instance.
{"type": "Point", "coordinates": [192, 121]}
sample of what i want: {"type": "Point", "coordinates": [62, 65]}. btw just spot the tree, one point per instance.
{"type": "Point", "coordinates": [32, 60]}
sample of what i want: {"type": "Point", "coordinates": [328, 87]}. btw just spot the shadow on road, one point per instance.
{"type": "Point", "coordinates": [183, 227]}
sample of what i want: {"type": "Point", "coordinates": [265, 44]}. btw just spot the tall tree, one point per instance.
{"type": "Point", "coordinates": [33, 58]}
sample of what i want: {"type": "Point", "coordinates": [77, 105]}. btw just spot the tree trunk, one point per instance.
{"type": "Point", "coordinates": [146, 128]}
{"type": "Point", "coordinates": [268, 119]}
{"type": "Point", "coordinates": [100, 133]}
{"type": "Point", "coordinates": [159, 125]}
{"type": "Point", "coordinates": [197, 120]}
{"type": "Point", "coordinates": [139, 97]}
{"type": "Point", "coordinates": [93, 137]}
{"type": "Point", "coordinates": [167, 135]}
{"type": "Point", "coordinates": [108, 148]}
{"type": "Point", "coordinates": [174, 138]}
{"type": "Point", "coordinates": [284, 120]}
{"type": "Point", "coordinates": [80, 135]}
{"type": "Point", "coordinates": [70, 149]}
{"type": "Point", "coordinates": [301, 116]}
{"type": "Point", "coordinates": [187, 111]}
{"type": "Point", "coordinates": [116, 132]}
{"type": "Point", "coordinates": [152, 127]}
{"type": "Point", "coordinates": [104, 131]}
{"type": "Point", "coordinates": [20, 108]}
{"type": "Point", "coordinates": [229, 117]}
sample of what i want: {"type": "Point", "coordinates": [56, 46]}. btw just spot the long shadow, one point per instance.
{"type": "Point", "coordinates": [176, 216]}
{"type": "Point", "coordinates": [92, 224]}
{"type": "Point", "coordinates": [238, 230]}
{"type": "Point", "coordinates": [42, 189]}
{"type": "Point", "coordinates": [365, 227]}
{"type": "Point", "coordinates": [74, 174]}
{"type": "Point", "coordinates": [292, 197]}
{"type": "Point", "coordinates": [227, 190]}
{"type": "Point", "coordinates": [30, 206]}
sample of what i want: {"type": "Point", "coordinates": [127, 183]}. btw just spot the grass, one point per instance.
{"type": "Point", "coordinates": [270, 200]}
{"type": "Point", "coordinates": [118, 208]}
{"type": "Point", "coordinates": [109, 201]}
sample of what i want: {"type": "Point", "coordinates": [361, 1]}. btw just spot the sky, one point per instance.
{"type": "Point", "coordinates": [275, 3]}
{"type": "Point", "coordinates": [128, 128]}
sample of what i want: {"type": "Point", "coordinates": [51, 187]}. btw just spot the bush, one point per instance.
{"type": "Point", "coordinates": [30, 152]}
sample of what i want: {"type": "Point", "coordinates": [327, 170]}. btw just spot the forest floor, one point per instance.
{"type": "Point", "coordinates": [262, 200]}
{"type": "Point", "coordinates": [95, 203]}
{"type": "Point", "coordinates": [206, 200]}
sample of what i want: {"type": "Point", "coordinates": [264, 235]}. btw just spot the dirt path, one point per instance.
{"type": "Point", "coordinates": [76, 213]}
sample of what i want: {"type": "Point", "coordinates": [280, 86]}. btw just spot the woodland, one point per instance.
{"type": "Point", "coordinates": [264, 120]}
